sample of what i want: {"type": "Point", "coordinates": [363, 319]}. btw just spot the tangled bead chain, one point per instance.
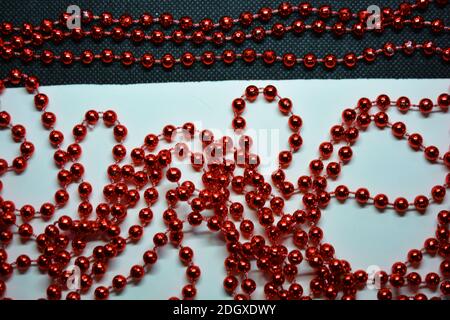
{"type": "Point", "coordinates": [227, 167]}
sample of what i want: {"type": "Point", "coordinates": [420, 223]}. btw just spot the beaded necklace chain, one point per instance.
{"type": "Point", "coordinates": [25, 42]}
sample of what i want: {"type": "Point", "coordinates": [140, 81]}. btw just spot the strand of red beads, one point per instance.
{"type": "Point", "coordinates": [219, 38]}
{"type": "Point", "coordinates": [212, 204]}
{"type": "Point", "coordinates": [208, 58]}
{"type": "Point", "coordinates": [225, 23]}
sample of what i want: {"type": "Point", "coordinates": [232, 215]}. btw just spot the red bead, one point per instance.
{"type": "Point", "coordinates": [226, 23]}
{"type": "Point", "coordinates": [398, 129]}
{"type": "Point", "coordinates": [18, 132]}
{"type": "Point", "coordinates": [251, 93]}
{"type": "Point", "coordinates": [265, 14]}
{"type": "Point", "coordinates": [31, 84]}
{"type": "Point", "coordinates": [341, 193]}
{"type": "Point", "coordinates": [383, 101]}
{"type": "Point", "coordinates": [238, 123]}
{"type": "Point", "coordinates": [166, 20]}
{"type": "Point", "coordinates": [330, 61]}
{"type": "Point", "coordinates": [26, 149]}
{"type": "Point", "coordinates": [137, 272]}
{"type": "Point", "coordinates": [67, 57]}
{"type": "Point", "coordinates": [19, 164]}
{"type": "Point", "coordinates": [193, 273]}
{"type": "Point", "coordinates": [445, 288]}
{"type": "Point", "coordinates": [428, 48]}
{"type": "Point", "coordinates": [316, 167]}
{"type": "Point", "coordinates": [150, 257]}
{"type": "Point", "coordinates": [431, 153]}
{"type": "Point", "coordinates": [189, 291]}
{"type": "Point", "coordinates": [414, 256]}
{"type": "Point", "coordinates": [238, 105]}
{"type": "Point", "coordinates": [167, 61]}
{"type": "Point", "coordinates": [285, 105]}
{"type": "Point", "coordinates": [198, 37]}
{"type": "Point", "coordinates": [384, 294]}
{"type": "Point", "coordinates": [285, 158]}
{"type": "Point", "coordinates": [146, 20]}
{"type": "Point", "coordinates": [238, 37]}
{"type": "Point", "coordinates": [318, 27]}
{"type": "Point", "coordinates": [230, 283]}
{"type": "Point", "coordinates": [206, 24]}
{"type": "Point", "coordinates": [187, 59]}
{"type": "Point", "coordinates": [109, 118]}
{"type": "Point", "coordinates": [425, 106]}
{"type": "Point", "coordinates": [421, 203]}
{"type": "Point", "coordinates": [415, 141]}
{"type": "Point", "coordinates": [369, 54]}
{"type": "Point", "coordinates": [350, 60]}
{"type": "Point", "coordinates": [269, 57]}
{"type": "Point", "coordinates": [186, 254]}
{"type": "Point", "coordinates": [381, 119]}
{"type": "Point", "coordinates": [249, 55]}
{"type": "Point", "coordinates": [208, 58]}
{"type": "Point", "coordinates": [246, 19]}
{"type": "Point", "coordinates": [345, 154]}
{"type": "Point", "coordinates": [438, 193]}
{"type": "Point", "coordinates": [443, 101]}
{"type": "Point", "coordinates": [119, 282]}
{"type": "Point", "coordinates": [278, 30]}
{"type": "Point", "coordinates": [147, 60]}
{"type": "Point", "coordinates": [338, 29]}
{"type": "Point", "coordinates": [289, 60]}
{"type": "Point", "coordinates": [160, 239]}
{"type": "Point", "coordinates": [248, 285]}
{"type": "Point", "coordinates": [447, 159]}
{"type": "Point", "coordinates": [79, 132]}
{"type": "Point", "coordinates": [23, 263]}
{"type": "Point", "coordinates": [295, 141]}
{"type": "Point", "coordinates": [344, 14]}
{"type": "Point", "coordinates": [380, 201]}
{"type": "Point", "coordinates": [298, 27]}
{"type": "Point", "coordinates": [101, 293]}
{"type": "Point", "coordinates": [127, 58]}
{"type": "Point", "coordinates": [107, 56]}
{"type": "Point", "coordinates": [229, 56]}
{"type": "Point", "coordinates": [401, 205]}
{"type": "Point", "coordinates": [54, 292]}
{"type": "Point", "coordinates": [270, 93]}
{"type": "Point", "coordinates": [295, 122]}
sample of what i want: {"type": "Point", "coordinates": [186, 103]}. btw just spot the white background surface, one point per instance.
{"type": "Point", "coordinates": [362, 236]}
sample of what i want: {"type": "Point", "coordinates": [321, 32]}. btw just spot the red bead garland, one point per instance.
{"type": "Point", "coordinates": [22, 42]}
{"type": "Point", "coordinates": [249, 56]}
{"type": "Point", "coordinates": [219, 38]}
{"type": "Point", "coordinates": [225, 23]}
{"type": "Point", "coordinates": [64, 239]}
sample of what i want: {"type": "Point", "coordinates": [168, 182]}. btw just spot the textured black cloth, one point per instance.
{"type": "Point", "coordinates": [398, 66]}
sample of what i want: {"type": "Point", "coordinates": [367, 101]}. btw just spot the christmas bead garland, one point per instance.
{"type": "Point", "coordinates": [333, 278]}
{"type": "Point", "coordinates": [226, 23]}
{"type": "Point", "coordinates": [238, 37]}
{"type": "Point", "coordinates": [63, 241]}
{"type": "Point", "coordinates": [289, 60]}
{"type": "Point", "coordinates": [20, 42]}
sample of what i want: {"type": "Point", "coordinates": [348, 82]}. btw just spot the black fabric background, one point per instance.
{"type": "Point", "coordinates": [19, 11]}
